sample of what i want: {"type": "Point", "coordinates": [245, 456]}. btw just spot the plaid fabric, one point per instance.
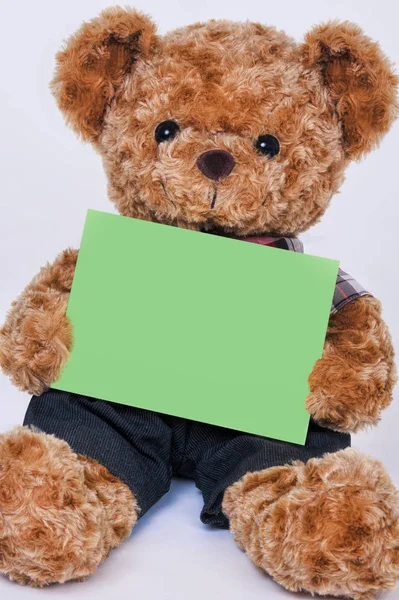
{"type": "Point", "coordinates": [346, 290]}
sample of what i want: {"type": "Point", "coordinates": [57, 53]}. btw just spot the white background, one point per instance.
{"type": "Point", "coordinates": [48, 179]}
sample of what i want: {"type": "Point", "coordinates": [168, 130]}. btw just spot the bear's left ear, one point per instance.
{"type": "Point", "coordinates": [94, 62]}
{"type": "Point", "coordinates": [360, 81]}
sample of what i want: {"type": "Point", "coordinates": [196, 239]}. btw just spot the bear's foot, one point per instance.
{"type": "Point", "coordinates": [60, 513]}
{"type": "Point", "coordinates": [330, 526]}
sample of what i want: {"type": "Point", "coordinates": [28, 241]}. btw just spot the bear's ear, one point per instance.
{"type": "Point", "coordinates": [360, 80]}
{"type": "Point", "coordinates": [94, 62]}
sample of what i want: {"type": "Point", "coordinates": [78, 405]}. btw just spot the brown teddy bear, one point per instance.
{"type": "Point", "coordinates": [232, 129]}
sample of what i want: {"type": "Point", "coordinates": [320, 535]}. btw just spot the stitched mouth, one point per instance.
{"type": "Point", "coordinates": [215, 194]}
{"type": "Point", "coordinates": [167, 195]}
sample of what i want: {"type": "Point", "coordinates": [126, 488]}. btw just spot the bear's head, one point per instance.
{"type": "Point", "coordinates": [221, 126]}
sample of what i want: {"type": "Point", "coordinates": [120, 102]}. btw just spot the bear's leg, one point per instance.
{"type": "Point", "coordinates": [60, 513]}
{"type": "Point", "coordinates": [218, 457]}
{"type": "Point", "coordinates": [330, 526]}
{"type": "Point", "coordinates": [320, 517]}
{"type": "Point", "coordinates": [67, 499]}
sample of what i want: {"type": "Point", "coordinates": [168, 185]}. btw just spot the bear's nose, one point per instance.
{"type": "Point", "coordinates": [215, 164]}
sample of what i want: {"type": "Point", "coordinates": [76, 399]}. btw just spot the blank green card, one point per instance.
{"type": "Point", "coordinates": [196, 325]}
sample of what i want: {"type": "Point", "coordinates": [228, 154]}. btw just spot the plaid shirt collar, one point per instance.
{"type": "Point", "coordinates": [282, 242]}
{"type": "Point", "coordinates": [347, 289]}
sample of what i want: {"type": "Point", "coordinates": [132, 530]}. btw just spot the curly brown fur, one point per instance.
{"type": "Point", "coordinates": [354, 379]}
{"type": "Point", "coordinates": [329, 527]}
{"type": "Point", "coordinates": [37, 336]}
{"type": "Point", "coordinates": [225, 84]}
{"type": "Point", "coordinates": [360, 82]}
{"type": "Point", "coordinates": [93, 65]}
{"type": "Point", "coordinates": [60, 514]}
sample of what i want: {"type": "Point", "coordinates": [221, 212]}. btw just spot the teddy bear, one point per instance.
{"type": "Point", "coordinates": [230, 129]}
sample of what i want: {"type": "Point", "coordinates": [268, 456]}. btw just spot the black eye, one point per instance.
{"type": "Point", "coordinates": [267, 145]}
{"type": "Point", "coordinates": [165, 131]}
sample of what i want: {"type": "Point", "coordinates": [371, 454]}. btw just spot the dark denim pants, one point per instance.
{"type": "Point", "coordinates": [145, 449]}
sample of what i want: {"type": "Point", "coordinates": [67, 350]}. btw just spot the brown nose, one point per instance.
{"type": "Point", "coordinates": [215, 164]}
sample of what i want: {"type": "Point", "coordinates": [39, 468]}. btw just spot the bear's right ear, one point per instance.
{"type": "Point", "coordinates": [359, 80]}
{"type": "Point", "coordinates": [95, 61]}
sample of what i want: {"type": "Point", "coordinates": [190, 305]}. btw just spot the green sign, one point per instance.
{"type": "Point", "coordinates": [196, 325]}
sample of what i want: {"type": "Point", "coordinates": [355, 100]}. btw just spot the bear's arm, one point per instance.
{"type": "Point", "coordinates": [354, 379]}
{"type": "Point", "coordinates": [36, 338]}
